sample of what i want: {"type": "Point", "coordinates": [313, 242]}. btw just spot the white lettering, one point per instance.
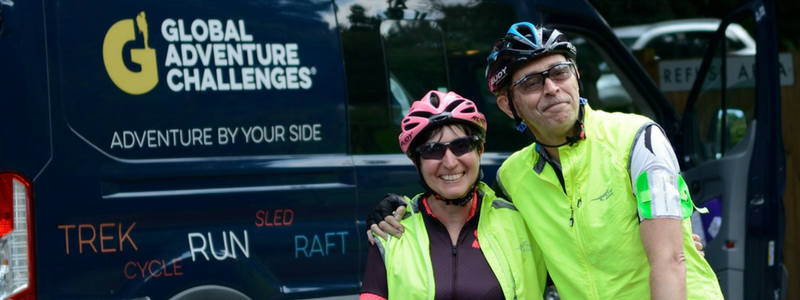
{"type": "Point", "coordinates": [263, 56]}
{"type": "Point", "coordinates": [182, 32]}
{"type": "Point", "coordinates": [215, 30]}
{"type": "Point", "coordinates": [291, 78]}
{"type": "Point", "coordinates": [168, 30]}
{"type": "Point", "coordinates": [174, 85]}
{"type": "Point", "coordinates": [278, 80]}
{"type": "Point", "coordinates": [198, 26]}
{"type": "Point", "coordinates": [194, 249]}
{"type": "Point", "coordinates": [116, 141]}
{"type": "Point", "coordinates": [188, 55]}
{"type": "Point", "coordinates": [208, 81]}
{"type": "Point", "coordinates": [304, 133]}
{"type": "Point", "coordinates": [245, 37]}
{"type": "Point", "coordinates": [192, 79]}
{"type": "Point", "coordinates": [291, 54]}
{"type": "Point", "coordinates": [207, 45]}
{"type": "Point", "coordinates": [205, 54]}
{"type": "Point", "coordinates": [219, 55]}
{"type": "Point", "coordinates": [172, 56]}
{"type": "Point", "coordinates": [236, 86]}
{"type": "Point", "coordinates": [305, 80]}
{"type": "Point", "coordinates": [230, 242]}
{"type": "Point", "coordinates": [278, 54]}
{"type": "Point", "coordinates": [221, 83]}
{"type": "Point", "coordinates": [234, 55]}
{"type": "Point", "coordinates": [249, 48]}
{"type": "Point", "coordinates": [262, 79]}
{"type": "Point", "coordinates": [248, 81]}
{"type": "Point", "coordinates": [230, 31]}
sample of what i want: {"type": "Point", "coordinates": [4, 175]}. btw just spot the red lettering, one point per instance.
{"type": "Point", "coordinates": [259, 217]}
{"type": "Point", "coordinates": [176, 266]}
{"type": "Point", "coordinates": [81, 241]}
{"type": "Point", "coordinates": [266, 218]}
{"type": "Point", "coordinates": [126, 237]}
{"type": "Point", "coordinates": [153, 268]}
{"type": "Point", "coordinates": [105, 238]}
{"type": "Point", "coordinates": [277, 217]}
{"type": "Point", "coordinates": [288, 217]}
{"type": "Point", "coordinates": [141, 268]}
{"type": "Point", "coordinates": [130, 263]}
{"type": "Point", "coordinates": [66, 235]}
{"type": "Point", "coordinates": [280, 217]}
{"type": "Point", "coordinates": [157, 273]}
{"type": "Point", "coordinates": [166, 273]}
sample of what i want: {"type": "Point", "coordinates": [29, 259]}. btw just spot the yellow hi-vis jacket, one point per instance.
{"type": "Point", "coordinates": [510, 250]}
{"type": "Point", "coordinates": [590, 235]}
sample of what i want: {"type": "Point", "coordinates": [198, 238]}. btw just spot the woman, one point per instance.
{"type": "Point", "coordinates": [460, 240]}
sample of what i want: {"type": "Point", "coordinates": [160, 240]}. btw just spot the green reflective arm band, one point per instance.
{"type": "Point", "coordinates": [643, 195]}
{"type": "Point", "coordinates": [645, 198]}
{"type": "Point", "coordinates": [687, 205]}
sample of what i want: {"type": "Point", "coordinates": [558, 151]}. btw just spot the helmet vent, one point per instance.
{"type": "Point", "coordinates": [410, 126]}
{"type": "Point", "coordinates": [454, 104]}
{"type": "Point", "coordinates": [434, 100]}
{"type": "Point", "coordinates": [421, 114]}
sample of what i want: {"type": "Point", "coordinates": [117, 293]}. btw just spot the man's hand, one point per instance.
{"type": "Point", "coordinates": [384, 218]}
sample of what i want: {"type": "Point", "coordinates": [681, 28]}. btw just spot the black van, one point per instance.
{"type": "Point", "coordinates": [232, 149]}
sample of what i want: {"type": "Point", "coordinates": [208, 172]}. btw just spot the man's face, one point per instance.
{"type": "Point", "coordinates": [549, 107]}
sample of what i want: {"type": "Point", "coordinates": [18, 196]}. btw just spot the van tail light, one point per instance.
{"type": "Point", "coordinates": [16, 239]}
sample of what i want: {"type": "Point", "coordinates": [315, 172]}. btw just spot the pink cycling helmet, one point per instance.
{"type": "Point", "coordinates": [435, 109]}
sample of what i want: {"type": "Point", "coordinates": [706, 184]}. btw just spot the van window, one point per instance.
{"type": "Point", "coordinates": [600, 85]}
{"type": "Point", "coordinates": [394, 54]}
{"type": "Point", "coordinates": [722, 114]}
{"type": "Point", "coordinates": [689, 44]}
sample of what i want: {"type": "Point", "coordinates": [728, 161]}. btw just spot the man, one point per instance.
{"type": "Point", "coordinates": [602, 193]}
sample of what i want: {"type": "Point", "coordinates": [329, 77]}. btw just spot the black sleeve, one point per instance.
{"type": "Point", "coordinates": [375, 274]}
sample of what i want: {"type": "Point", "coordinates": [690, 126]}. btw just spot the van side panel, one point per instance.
{"type": "Point", "coordinates": [195, 147]}
{"type": "Point", "coordinates": [24, 96]}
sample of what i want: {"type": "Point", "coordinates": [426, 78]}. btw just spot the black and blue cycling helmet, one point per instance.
{"type": "Point", "coordinates": [523, 42]}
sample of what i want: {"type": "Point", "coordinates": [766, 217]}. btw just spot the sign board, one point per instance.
{"type": "Point", "coordinates": [679, 75]}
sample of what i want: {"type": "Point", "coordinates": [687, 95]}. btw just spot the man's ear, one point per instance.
{"type": "Point", "coordinates": [503, 103]}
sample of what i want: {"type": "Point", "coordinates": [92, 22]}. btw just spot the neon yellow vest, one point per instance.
{"type": "Point", "coordinates": [599, 256]}
{"type": "Point", "coordinates": [510, 250]}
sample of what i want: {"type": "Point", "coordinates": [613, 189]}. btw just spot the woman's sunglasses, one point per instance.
{"type": "Point", "coordinates": [459, 147]}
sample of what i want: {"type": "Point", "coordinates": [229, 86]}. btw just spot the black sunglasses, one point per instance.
{"type": "Point", "coordinates": [459, 147]}
{"type": "Point", "coordinates": [532, 83]}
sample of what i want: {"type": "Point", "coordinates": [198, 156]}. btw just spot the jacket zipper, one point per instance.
{"type": "Point", "coordinates": [578, 233]}
{"type": "Point", "coordinates": [455, 271]}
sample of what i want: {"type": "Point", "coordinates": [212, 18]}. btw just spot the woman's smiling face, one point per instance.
{"type": "Point", "coordinates": [451, 176]}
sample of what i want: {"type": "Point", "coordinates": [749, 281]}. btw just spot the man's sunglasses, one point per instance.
{"type": "Point", "coordinates": [533, 83]}
{"type": "Point", "coordinates": [459, 147]}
